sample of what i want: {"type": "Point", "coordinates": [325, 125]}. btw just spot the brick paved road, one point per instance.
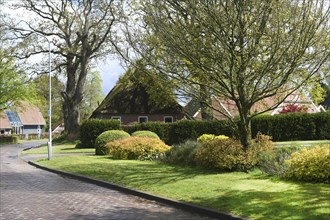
{"type": "Point", "coordinates": [30, 193]}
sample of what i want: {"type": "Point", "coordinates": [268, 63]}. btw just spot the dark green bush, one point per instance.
{"type": "Point", "coordinates": [301, 126]}
{"type": "Point", "coordinates": [132, 148]}
{"type": "Point", "coordinates": [92, 128]}
{"type": "Point", "coordinates": [183, 154]}
{"type": "Point", "coordinates": [145, 134]}
{"type": "Point", "coordinates": [191, 130]}
{"type": "Point", "coordinates": [310, 164]}
{"type": "Point", "coordinates": [9, 139]}
{"type": "Point", "coordinates": [160, 128]}
{"type": "Point", "coordinates": [106, 137]}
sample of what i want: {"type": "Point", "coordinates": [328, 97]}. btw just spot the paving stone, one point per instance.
{"type": "Point", "coordinates": [30, 193]}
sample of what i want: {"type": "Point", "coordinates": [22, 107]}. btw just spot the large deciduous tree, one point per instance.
{"type": "Point", "coordinates": [15, 86]}
{"type": "Point", "coordinates": [244, 51]}
{"type": "Point", "coordinates": [79, 31]}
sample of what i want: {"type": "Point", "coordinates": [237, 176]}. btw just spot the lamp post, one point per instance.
{"type": "Point", "coordinates": [49, 148]}
{"type": "Point", "coordinates": [50, 104]}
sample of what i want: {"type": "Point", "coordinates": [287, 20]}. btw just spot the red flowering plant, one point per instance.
{"type": "Point", "coordinates": [293, 108]}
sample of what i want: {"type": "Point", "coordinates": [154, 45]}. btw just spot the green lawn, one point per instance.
{"type": "Point", "coordinates": [57, 149]}
{"type": "Point", "coordinates": [252, 195]}
{"type": "Point", "coordinates": [302, 143]}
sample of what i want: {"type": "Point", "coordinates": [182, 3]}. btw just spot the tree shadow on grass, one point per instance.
{"type": "Point", "coordinates": [308, 203]}
{"type": "Point", "coordinates": [138, 174]}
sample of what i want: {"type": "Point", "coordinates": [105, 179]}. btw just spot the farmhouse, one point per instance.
{"type": "Point", "coordinates": [137, 98]}
{"type": "Point", "coordinates": [25, 119]}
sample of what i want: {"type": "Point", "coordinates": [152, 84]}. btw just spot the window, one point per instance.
{"type": "Point", "coordinates": [168, 119]}
{"type": "Point", "coordinates": [13, 118]}
{"type": "Point", "coordinates": [116, 118]}
{"type": "Point", "coordinates": [143, 119]}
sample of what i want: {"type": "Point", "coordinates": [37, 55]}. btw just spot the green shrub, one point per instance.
{"type": "Point", "coordinates": [311, 164]}
{"type": "Point", "coordinates": [273, 162]}
{"type": "Point", "coordinates": [9, 139]}
{"type": "Point", "coordinates": [221, 154]}
{"type": "Point", "coordinates": [145, 134]}
{"type": "Point", "coordinates": [106, 137]}
{"type": "Point", "coordinates": [302, 126]}
{"type": "Point", "coordinates": [229, 155]}
{"type": "Point", "coordinates": [160, 128]}
{"type": "Point", "coordinates": [190, 130]}
{"type": "Point", "coordinates": [183, 154]}
{"type": "Point", "coordinates": [208, 137]}
{"type": "Point", "coordinates": [92, 128]}
{"type": "Point", "coordinates": [136, 148]}
{"type": "Point", "coordinates": [260, 145]}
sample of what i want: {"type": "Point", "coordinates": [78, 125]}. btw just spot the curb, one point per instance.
{"type": "Point", "coordinates": [181, 205]}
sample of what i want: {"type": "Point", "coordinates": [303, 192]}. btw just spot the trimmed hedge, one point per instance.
{"type": "Point", "coordinates": [293, 126]}
{"type": "Point", "coordinates": [92, 128]}
{"type": "Point", "coordinates": [9, 139]}
{"type": "Point", "coordinates": [283, 127]}
{"type": "Point", "coordinates": [180, 131]}
{"type": "Point", "coordinates": [107, 137]}
{"type": "Point", "coordinates": [144, 133]}
{"type": "Point", "coordinates": [160, 128]}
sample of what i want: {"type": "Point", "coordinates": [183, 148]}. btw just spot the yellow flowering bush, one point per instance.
{"type": "Point", "coordinates": [136, 148]}
{"type": "Point", "coordinates": [225, 153]}
{"type": "Point", "coordinates": [310, 164]}
{"type": "Point", "coordinates": [209, 137]}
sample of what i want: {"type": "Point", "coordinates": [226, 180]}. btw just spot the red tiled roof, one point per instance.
{"type": "Point", "coordinates": [4, 122]}
{"type": "Point", "coordinates": [30, 115]}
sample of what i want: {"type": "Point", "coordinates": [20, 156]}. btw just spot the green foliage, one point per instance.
{"type": "Point", "coordinates": [208, 137]}
{"type": "Point", "coordinates": [302, 126]}
{"type": "Point", "coordinates": [93, 95]}
{"type": "Point", "coordinates": [14, 85]}
{"type": "Point", "coordinates": [92, 128]}
{"type": "Point", "coordinates": [136, 148]}
{"type": "Point", "coordinates": [186, 129]}
{"type": "Point", "coordinates": [106, 137]}
{"type": "Point", "coordinates": [9, 139]}
{"type": "Point", "coordinates": [183, 154]}
{"type": "Point", "coordinates": [229, 155]}
{"type": "Point", "coordinates": [41, 83]}
{"type": "Point", "coordinates": [310, 164]}
{"type": "Point", "coordinates": [273, 162]}
{"type": "Point", "coordinates": [225, 155]}
{"type": "Point", "coordinates": [160, 128]}
{"type": "Point", "coordinates": [145, 134]}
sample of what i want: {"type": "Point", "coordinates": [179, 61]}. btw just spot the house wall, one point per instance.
{"type": "Point", "coordinates": [33, 129]}
{"type": "Point", "coordinates": [5, 131]}
{"type": "Point", "coordinates": [127, 119]}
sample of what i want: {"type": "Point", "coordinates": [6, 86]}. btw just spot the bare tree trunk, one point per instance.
{"type": "Point", "coordinates": [71, 114]}
{"type": "Point", "coordinates": [245, 132]}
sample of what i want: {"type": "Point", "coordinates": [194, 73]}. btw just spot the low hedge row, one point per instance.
{"type": "Point", "coordinates": [92, 128]}
{"type": "Point", "coordinates": [9, 139]}
{"type": "Point", "coordinates": [180, 131]}
{"type": "Point", "coordinates": [293, 126]}
{"type": "Point", "coordinates": [284, 127]}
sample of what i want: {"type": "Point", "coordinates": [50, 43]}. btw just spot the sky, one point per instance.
{"type": "Point", "coordinates": [110, 71]}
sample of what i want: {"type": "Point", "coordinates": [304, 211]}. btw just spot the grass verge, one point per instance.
{"type": "Point", "coordinates": [302, 143]}
{"type": "Point", "coordinates": [59, 149]}
{"type": "Point", "coordinates": [251, 195]}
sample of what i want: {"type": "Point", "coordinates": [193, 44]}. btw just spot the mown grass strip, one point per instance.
{"type": "Point", "coordinates": [251, 195]}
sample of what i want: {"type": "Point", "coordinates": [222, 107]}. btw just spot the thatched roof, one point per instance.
{"type": "Point", "coordinates": [139, 93]}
